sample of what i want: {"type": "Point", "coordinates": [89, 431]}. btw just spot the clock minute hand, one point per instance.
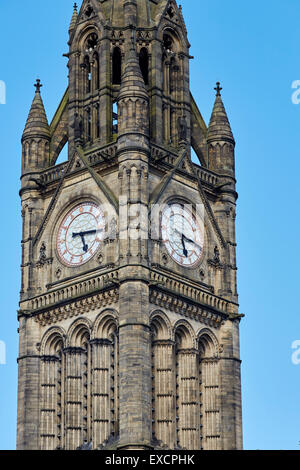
{"type": "Point", "coordinates": [185, 252]}
{"type": "Point", "coordinates": [191, 241]}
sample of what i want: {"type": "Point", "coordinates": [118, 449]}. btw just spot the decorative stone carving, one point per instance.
{"type": "Point", "coordinates": [182, 128]}
{"type": "Point", "coordinates": [78, 127]}
{"type": "Point", "coordinates": [216, 262]}
{"type": "Point", "coordinates": [43, 259]}
{"type": "Point", "coordinates": [58, 273]}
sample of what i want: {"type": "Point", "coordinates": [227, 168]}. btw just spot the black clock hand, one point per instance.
{"type": "Point", "coordinates": [185, 252]}
{"type": "Point", "coordinates": [191, 241]}
{"type": "Point", "coordinates": [83, 234]}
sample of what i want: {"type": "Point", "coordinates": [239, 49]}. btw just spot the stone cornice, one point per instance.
{"type": "Point", "coordinates": [186, 307]}
{"type": "Point", "coordinates": [70, 309]}
{"type": "Point", "coordinates": [192, 293]}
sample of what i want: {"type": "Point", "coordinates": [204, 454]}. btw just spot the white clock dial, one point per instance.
{"type": "Point", "coordinates": [80, 234]}
{"type": "Point", "coordinates": [182, 235]}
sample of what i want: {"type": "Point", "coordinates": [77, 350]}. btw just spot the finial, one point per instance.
{"type": "Point", "coordinates": [218, 89]}
{"type": "Point", "coordinates": [38, 85]}
{"type": "Point", "coordinates": [75, 6]}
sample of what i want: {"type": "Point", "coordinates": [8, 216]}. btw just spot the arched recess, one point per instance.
{"type": "Point", "coordinates": [209, 390]}
{"type": "Point", "coordinates": [144, 64]}
{"type": "Point", "coordinates": [163, 380]}
{"type": "Point", "coordinates": [86, 82]}
{"type": "Point", "coordinates": [116, 66]}
{"type": "Point", "coordinates": [77, 385]}
{"type": "Point", "coordinates": [187, 387]}
{"type": "Point", "coordinates": [95, 72]}
{"type": "Point", "coordinates": [105, 377]}
{"type": "Point", "coordinates": [172, 69]}
{"type": "Point", "coordinates": [51, 389]}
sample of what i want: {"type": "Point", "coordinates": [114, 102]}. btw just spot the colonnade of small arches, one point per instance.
{"type": "Point", "coordinates": [185, 385]}
{"type": "Point", "coordinates": [79, 383]}
{"type": "Point", "coordinates": [79, 386]}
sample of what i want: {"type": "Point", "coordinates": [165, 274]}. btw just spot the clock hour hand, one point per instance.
{"type": "Point", "coordinates": [185, 252]}
{"type": "Point", "coordinates": [191, 241]}
{"type": "Point", "coordinates": [83, 234]}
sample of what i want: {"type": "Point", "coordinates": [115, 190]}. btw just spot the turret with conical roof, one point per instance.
{"type": "Point", "coordinates": [220, 139]}
{"type": "Point", "coordinates": [73, 19]}
{"type": "Point", "coordinates": [133, 103]}
{"type": "Point", "coordinates": [36, 135]}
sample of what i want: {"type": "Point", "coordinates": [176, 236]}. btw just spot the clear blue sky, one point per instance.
{"type": "Point", "coordinates": [253, 49]}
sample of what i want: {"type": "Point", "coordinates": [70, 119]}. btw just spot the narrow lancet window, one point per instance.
{"type": "Point", "coordinates": [116, 66]}
{"type": "Point", "coordinates": [144, 65]}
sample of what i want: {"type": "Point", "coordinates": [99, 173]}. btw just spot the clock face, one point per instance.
{"type": "Point", "coordinates": [182, 235]}
{"type": "Point", "coordinates": [80, 234]}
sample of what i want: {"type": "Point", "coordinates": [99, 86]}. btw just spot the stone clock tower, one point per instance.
{"type": "Point", "coordinates": [129, 321]}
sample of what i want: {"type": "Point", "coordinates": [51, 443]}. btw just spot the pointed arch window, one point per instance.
{"type": "Point", "coordinates": [89, 124]}
{"type": "Point", "coordinates": [95, 70]}
{"type": "Point", "coordinates": [51, 394]}
{"type": "Point", "coordinates": [87, 75]}
{"type": "Point", "coordinates": [144, 64]}
{"type": "Point", "coordinates": [116, 66]}
{"type": "Point", "coordinates": [210, 394]}
{"type": "Point", "coordinates": [105, 381]}
{"type": "Point", "coordinates": [115, 115]}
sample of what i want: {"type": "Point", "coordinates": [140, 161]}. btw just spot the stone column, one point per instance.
{"type": "Point", "coordinates": [28, 387]}
{"type": "Point", "coordinates": [231, 404]}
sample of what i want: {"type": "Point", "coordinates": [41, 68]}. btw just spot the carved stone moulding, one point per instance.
{"type": "Point", "coordinates": [77, 308]}
{"type": "Point", "coordinates": [187, 309]}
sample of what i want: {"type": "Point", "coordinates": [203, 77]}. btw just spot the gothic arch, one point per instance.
{"type": "Point", "coordinates": [208, 344]}
{"type": "Point", "coordinates": [186, 379]}
{"type": "Point", "coordinates": [79, 333]}
{"type": "Point", "coordinates": [105, 324]}
{"type": "Point", "coordinates": [160, 325]}
{"type": "Point", "coordinates": [51, 386]}
{"type": "Point", "coordinates": [185, 333]}
{"type": "Point", "coordinates": [105, 376]}
{"type": "Point", "coordinates": [210, 383]}
{"type": "Point", "coordinates": [83, 32]}
{"type": "Point", "coordinates": [52, 341]}
{"type": "Point", "coordinates": [176, 37]}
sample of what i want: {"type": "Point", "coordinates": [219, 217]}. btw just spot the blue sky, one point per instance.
{"type": "Point", "coordinates": [253, 49]}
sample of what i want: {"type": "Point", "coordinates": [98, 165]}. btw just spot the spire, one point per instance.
{"type": "Point", "coordinates": [37, 122]}
{"type": "Point", "coordinates": [74, 18]}
{"type": "Point", "coordinates": [219, 127]}
{"type": "Point", "coordinates": [132, 79]}
{"type": "Point", "coordinates": [130, 12]}
{"type": "Point", "coordinates": [133, 101]}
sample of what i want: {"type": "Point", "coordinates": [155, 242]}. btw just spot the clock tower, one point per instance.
{"type": "Point", "coordinates": [129, 319]}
